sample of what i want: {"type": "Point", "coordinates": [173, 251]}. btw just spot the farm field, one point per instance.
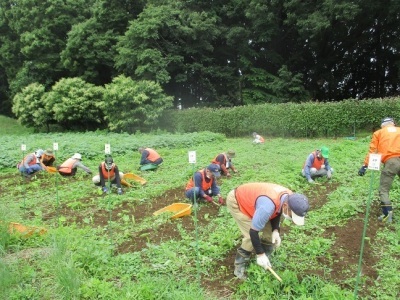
{"type": "Point", "coordinates": [106, 246]}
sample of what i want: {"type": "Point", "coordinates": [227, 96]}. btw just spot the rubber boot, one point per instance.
{"type": "Point", "coordinates": [388, 218]}
{"type": "Point", "coordinates": [387, 213]}
{"type": "Point", "coordinates": [242, 259]}
{"type": "Point", "coordinates": [267, 247]}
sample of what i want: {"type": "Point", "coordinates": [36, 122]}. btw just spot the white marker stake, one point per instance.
{"type": "Point", "coordinates": [374, 162]}
{"type": "Point", "coordinates": [23, 147]}
{"type": "Point", "coordinates": [55, 146]}
{"type": "Point", "coordinates": [107, 149]}
{"type": "Point", "coordinates": [192, 157]}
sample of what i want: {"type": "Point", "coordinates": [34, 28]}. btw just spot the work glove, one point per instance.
{"type": "Point", "coordinates": [311, 181]}
{"type": "Point", "coordinates": [323, 167]}
{"type": "Point", "coordinates": [329, 174]}
{"type": "Point", "coordinates": [276, 238]}
{"type": "Point", "coordinates": [221, 201]}
{"type": "Point", "coordinates": [228, 174]}
{"type": "Point", "coordinates": [362, 170]}
{"type": "Point", "coordinates": [208, 198]}
{"type": "Point", "coordinates": [263, 261]}
{"type": "Point", "coordinates": [104, 189]}
{"type": "Point", "coordinates": [119, 191]}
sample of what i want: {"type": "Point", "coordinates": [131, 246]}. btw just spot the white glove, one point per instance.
{"type": "Point", "coordinates": [311, 181]}
{"type": "Point", "coordinates": [263, 261]}
{"type": "Point", "coordinates": [329, 174]}
{"type": "Point", "coordinates": [276, 238]}
{"type": "Point", "coordinates": [323, 167]}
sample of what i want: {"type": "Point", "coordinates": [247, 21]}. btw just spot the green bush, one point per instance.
{"type": "Point", "coordinates": [310, 119]}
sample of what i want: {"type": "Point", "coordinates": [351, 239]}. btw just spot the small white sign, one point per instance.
{"type": "Point", "coordinates": [55, 146]}
{"type": "Point", "coordinates": [23, 147]}
{"type": "Point", "coordinates": [107, 149]}
{"type": "Point", "coordinates": [374, 162]}
{"type": "Point", "coordinates": [192, 157]}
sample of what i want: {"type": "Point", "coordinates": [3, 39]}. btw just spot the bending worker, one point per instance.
{"type": "Point", "coordinates": [385, 141]}
{"type": "Point", "coordinates": [70, 166]}
{"type": "Point", "coordinates": [224, 160]}
{"type": "Point", "coordinates": [257, 207]}
{"type": "Point", "coordinates": [317, 165]}
{"type": "Point", "coordinates": [149, 156]}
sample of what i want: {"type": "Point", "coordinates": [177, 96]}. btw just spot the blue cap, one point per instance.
{"type": "Point", "coordinates": [215, 169]}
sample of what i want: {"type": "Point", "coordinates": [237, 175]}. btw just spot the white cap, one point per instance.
{"type": "Point", "coordinates": [77, 156]}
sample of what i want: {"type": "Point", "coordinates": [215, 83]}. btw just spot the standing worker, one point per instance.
{"type": "Point", "coordinates": [108, 170]}
{"type": "Point", "coordinates": [317, 165]}
{"type": "Point", "coordinates": [385, 141]}
{"type": "Point", "coordinates": [149, 156]}
{"type": "Point", "coordinates": [257, 207]}
{"type": "Point", "coordinates": [203, 186]}
{"type": "Point", "coordinates": [70, 166]}
{"type": "Point", "coordinates": [224, 160]}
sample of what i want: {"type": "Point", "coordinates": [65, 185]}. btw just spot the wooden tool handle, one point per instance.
{"type": "Point", "coordinates": [273, 273]}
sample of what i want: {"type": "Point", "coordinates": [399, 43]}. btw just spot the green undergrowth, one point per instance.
{"type": "Point", "coordinates": [79, 262]}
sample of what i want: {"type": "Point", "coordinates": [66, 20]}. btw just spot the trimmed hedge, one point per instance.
{"type": "Point", "coordinates": [310, 119]}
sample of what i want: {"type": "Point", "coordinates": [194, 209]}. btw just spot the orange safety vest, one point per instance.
{"type": "Point", "coordinates": [107, 174]}
{"type": "Point", "coordinates": [204, 185]}
{"type": "Point", "coordinates": [33, 162]}
{"type": "Point", "coordinates": [66, 166]}
{"type": "Point", "coordinates": [261, 139]}
{"type": "Point", "coordinates": [247, 195]}
{"type": "Point", "coordinates": [385, 141]}
{"type": "Point", "coordinates": [214, 161]}
{"type": "Point", "coordinates": [153, 155]}
{"type": "Point", "coordinates": [317, 163]}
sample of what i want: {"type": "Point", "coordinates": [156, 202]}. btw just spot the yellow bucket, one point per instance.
{"type": "Point", "coordinates": [178, 210]}
{"type": "Point", "coordinates": [25, 231]}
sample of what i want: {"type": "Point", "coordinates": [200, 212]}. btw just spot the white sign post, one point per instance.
{"type": "Point", "coordinates": [107, 149]}
{"type": "Point", "coordinates": [55, 146]}
{"type": "Point", "coordinates": [23, 147]}
{"type": "Point", "coordinates": [192, 157]}
{"type": "Point", "coordinates": [374, 162]}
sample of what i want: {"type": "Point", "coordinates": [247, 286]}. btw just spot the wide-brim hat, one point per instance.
{"type": "Point", "coordinates": [231, 153]}
{"type": "Point", "coordinates": [49, 152]}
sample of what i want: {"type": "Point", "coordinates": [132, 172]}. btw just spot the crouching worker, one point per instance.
{"type": "Point", "coordinates": [31, 164]}
{"type": "Point", "coordinates": [48, 158]}
{"type": "Point", "coordinates": [224, 160]}
{"type": "Point", "coordinates": [108, 171]}
{"type": "Point", "coordinates": [202, 185]}
{"type": "Point", "coordinates": [70, 166]}
{"type": "Point", "coordinates": [317, 165]}
{"type": "Point", "coordinates": [257, 209]}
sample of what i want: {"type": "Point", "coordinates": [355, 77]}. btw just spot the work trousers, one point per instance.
{"type": "Point", "coordinates": [244, 223]}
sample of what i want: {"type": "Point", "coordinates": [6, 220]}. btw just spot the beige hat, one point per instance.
{"type": "Point", "coordinates": [231, 153]}
{"type": "Point", "coordinates": [48, 152]}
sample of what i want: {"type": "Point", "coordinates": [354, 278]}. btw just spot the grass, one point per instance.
{"type": "Point", "coordinates": [9, 126]}
{"type": "Point", "coordinates": [82, 263]}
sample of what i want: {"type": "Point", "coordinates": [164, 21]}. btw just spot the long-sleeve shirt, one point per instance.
{"type": "Point", "coordinates": [385, 141]}
{"type": "Point", "coordinates": [198, 179]}
{"type": "Point", "coordinates": [309, 164]}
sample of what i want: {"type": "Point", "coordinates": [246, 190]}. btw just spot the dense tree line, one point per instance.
{"type": "Point", "coordinates": [205, 53]}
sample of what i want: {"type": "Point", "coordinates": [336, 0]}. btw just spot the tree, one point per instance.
{"type": "Point", "coordinates": [75, 104]}
{"type": "Point", "coordinates": [133, 105]}
{"type": "Point", "coordinates": [29, 108]}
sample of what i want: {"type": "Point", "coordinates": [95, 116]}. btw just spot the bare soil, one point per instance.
{"type": "Point", "coordinates": [345, 252]}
